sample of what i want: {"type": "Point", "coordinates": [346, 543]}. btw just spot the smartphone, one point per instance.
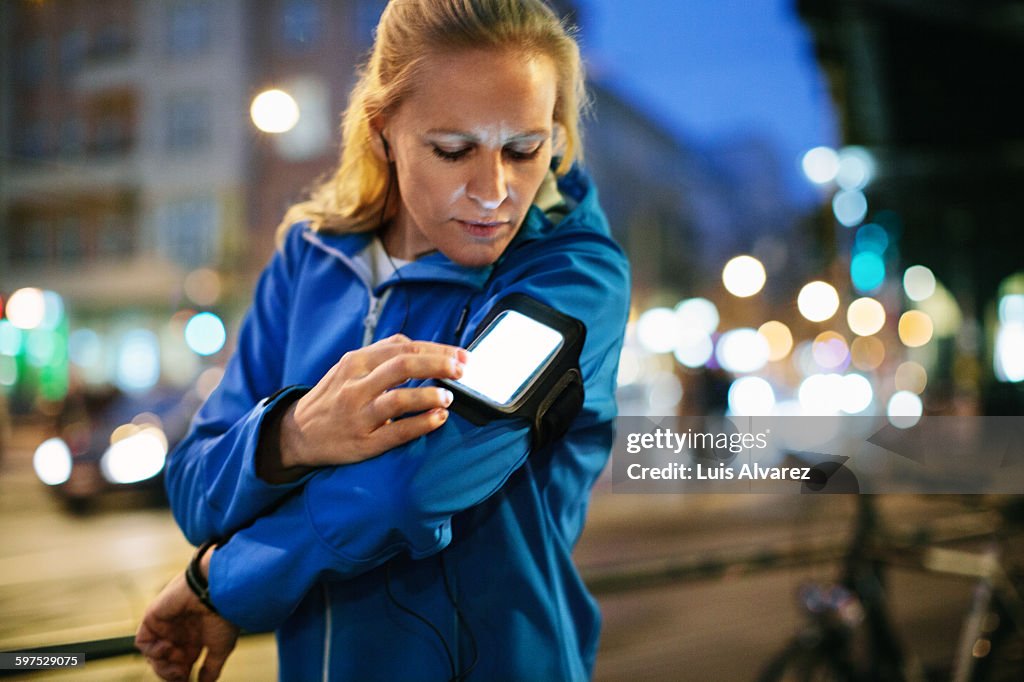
{"type": "Point", "coordinates": [508, 358]}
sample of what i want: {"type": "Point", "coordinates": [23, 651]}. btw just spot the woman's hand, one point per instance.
{"type": "Point", "coordinates": [354, 412]}
{"type": "Point", "coordinates": [177, 627]}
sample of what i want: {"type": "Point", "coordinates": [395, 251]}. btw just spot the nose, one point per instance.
{"type": "Point", "coordinates": [487, 185]}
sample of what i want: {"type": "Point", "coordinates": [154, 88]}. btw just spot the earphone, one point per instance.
{"type": "Point", "coordinates": [387, 148]}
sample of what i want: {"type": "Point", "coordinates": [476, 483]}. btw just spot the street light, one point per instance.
{"type": "Point", "coordinates": [274, 111]}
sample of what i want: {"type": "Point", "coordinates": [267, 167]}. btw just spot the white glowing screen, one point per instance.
{"type": "Point", "coordinates": [513, 350]}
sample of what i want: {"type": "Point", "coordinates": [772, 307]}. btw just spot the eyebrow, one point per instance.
{"type": "Point", "coordinates": [539, 133]}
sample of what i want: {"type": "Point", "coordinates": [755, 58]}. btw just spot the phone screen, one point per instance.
{"type": "Point", "coordinates": [513, 350]}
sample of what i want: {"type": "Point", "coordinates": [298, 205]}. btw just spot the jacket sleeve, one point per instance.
{"type": "Point", "coordinates": [349, 519]}
{"type": "Point", "coordinates": [211, 476]}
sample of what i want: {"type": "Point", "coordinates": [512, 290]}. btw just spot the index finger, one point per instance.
{"type": "Point", "coordinates": [380, 352]}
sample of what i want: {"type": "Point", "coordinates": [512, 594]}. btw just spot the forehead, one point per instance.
{"type": "Point", "coordinates": [474, 89]}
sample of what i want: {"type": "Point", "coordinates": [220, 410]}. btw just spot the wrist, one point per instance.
{"type": "Point", "coordinates": [289, 443]}
{"type": "Point", "coordinates": [279, 449]}
{"type": "Point", "coordinates": [197, 574]}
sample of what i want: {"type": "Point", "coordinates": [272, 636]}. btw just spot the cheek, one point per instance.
{"type": "Point", "coordinates": [458, 193]}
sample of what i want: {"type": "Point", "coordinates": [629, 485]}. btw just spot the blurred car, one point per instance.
{"type": "Point", "coordinates": [110, 441]}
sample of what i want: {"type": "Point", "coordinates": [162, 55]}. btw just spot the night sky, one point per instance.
{"type": "Point", "coordinates": [711, 69]}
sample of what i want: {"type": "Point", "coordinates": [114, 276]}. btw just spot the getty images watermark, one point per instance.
{"type": "Point", "coordinates": [814, 455]}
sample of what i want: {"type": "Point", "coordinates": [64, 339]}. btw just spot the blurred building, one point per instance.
{"type": "Point", "coordinates": [928, 87]}
{"type": "Point", "coordinates": [136, 185]}
{"type": "Point", "coordinates": [130, 161]}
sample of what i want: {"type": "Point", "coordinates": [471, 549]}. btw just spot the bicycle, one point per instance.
{"type": "Point", "coordinates": [850, 635]}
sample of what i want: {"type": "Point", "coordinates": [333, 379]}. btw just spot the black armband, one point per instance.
{"type": "Point", "coordinates": [525, 362]}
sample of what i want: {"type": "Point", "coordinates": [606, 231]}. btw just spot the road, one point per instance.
{"type": "Point", "coordinates": [66, 578]}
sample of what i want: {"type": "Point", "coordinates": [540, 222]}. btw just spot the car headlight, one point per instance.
{"type": "Point", "coordinates": [135, 457]}
{"type": "Point", "coordinates": [52, 461]}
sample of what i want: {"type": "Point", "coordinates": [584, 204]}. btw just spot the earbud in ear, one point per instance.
{"type": "Point", "coordinates": [387, 147]}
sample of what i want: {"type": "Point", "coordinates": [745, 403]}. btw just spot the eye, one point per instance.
{"type": "Point", "coordinates": [519, 155]}
{"type": "Point", "coordinates": [450, 155]}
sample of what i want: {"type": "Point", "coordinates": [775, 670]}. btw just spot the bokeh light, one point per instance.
{"type": "Point", "coordinates": [871, 237]}
{"type": "Point", "coordinates": [865, 316]}
{"type": "Point", "coordinates": [1011, 309]}
{"type": "Point", "coordinates": [697, 313]}
{"type": "Point", "coordinates": [85, 348]}
{"type": "Point", "coordinates": [741, 351]}
{"type": "Point", "coordinates": [856, 168]}
{"type": "Point", "coordinates": [8, 370]}
{"type": "Point", "coordinates": [657, 330]}
{"type": "Point", "coordinates": [867, 353]}
{"type": "Point", "coordinates": [857, 394]}
{"type": "Point", "coordinates": [136, 457]}
{"type": "Point", "coordinates": [779, 338]}
{"type": "Point", "coordinates": [203, 286]}
{"type": "Point", "coordinates": [830, 350]}
{"type": "Point", "coordinates": [820, 165]}
{"type": "Point", "coordinates": [1008, 360]}
{"type": "Point", "coordinates": [10, 338]}
{"type": "Point", "coordinates": [53, 310]}
{"type": "Point", "coordinates": [850, 207]}
{"type": "Point", "coordinates": [138, 361]}
{"type": "Point", "coordinates": [818, 301]}
{"type": "Point", "coordinates": [205, 334]}
{"type": "Point", "coordinates": [911, 376]}
{"type": "Point", "coordinates": [664, 394]}
{"type": "Point", "coordinates": [274, 111]}
{"type": "Point", "coordinates": [743, 276]}
{"type": "Point", "coordinates": [915, 328]}
{"type": "Point", "coordinates": [694, 348]}
{"type": "Point", "coordinates": [26, 308]}
{"type": "Point", "coordinates": [904, 409]}
{"type": "Point", "coordinates": [918, 282]}
{"type": "Point", "coordinates": [821, 394]}
{"type": "Point", "coordinates": [751, 397]}
{"type": "Point", "coordinates": [867, 271]}
{"type": "Point", "coordinates": [52, 461]}
{"type": "Point", "coordinates": [803, 359]}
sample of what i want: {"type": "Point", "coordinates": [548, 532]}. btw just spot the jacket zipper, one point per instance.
{"type": "Point", "coordinates": [373, 316]}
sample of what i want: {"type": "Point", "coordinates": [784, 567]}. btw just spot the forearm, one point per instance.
{"type": "Point", "coordinates": [213, 479]}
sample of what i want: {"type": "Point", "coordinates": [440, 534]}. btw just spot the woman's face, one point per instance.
{"type": "Point", "coordinates": [471, 145]}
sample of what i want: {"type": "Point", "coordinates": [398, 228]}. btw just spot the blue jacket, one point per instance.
{"type": "Point", "coordinates": [464, 516]}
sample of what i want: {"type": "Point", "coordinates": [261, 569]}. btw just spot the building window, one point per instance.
{"type": "Point", "coordinates": [188, 121]}
{"type": "Point", "coordinates": [188, 28]}
{"type": "Point", "coordinates": [300, 23]}
{"type": "Point", "coordinates": [187, 232]}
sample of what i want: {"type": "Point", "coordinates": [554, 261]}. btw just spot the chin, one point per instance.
{"type": "Point", "coordinates": [476, 258]}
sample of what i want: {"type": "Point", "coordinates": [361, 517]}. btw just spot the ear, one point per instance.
{"type": "Point", "coordinates": [558, 140]}
{"type": "Point", "coordinates": [377, 129]}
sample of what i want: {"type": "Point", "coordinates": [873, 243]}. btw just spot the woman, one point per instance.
{"type": "Point", "coordinates": [377, 544]}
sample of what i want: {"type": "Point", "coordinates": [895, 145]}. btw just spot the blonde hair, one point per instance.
{"type": "Point", "coordinates": [351, 199]}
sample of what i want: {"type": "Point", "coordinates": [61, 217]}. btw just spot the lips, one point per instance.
{"type": "Point", "coordinates": [482, 228]}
